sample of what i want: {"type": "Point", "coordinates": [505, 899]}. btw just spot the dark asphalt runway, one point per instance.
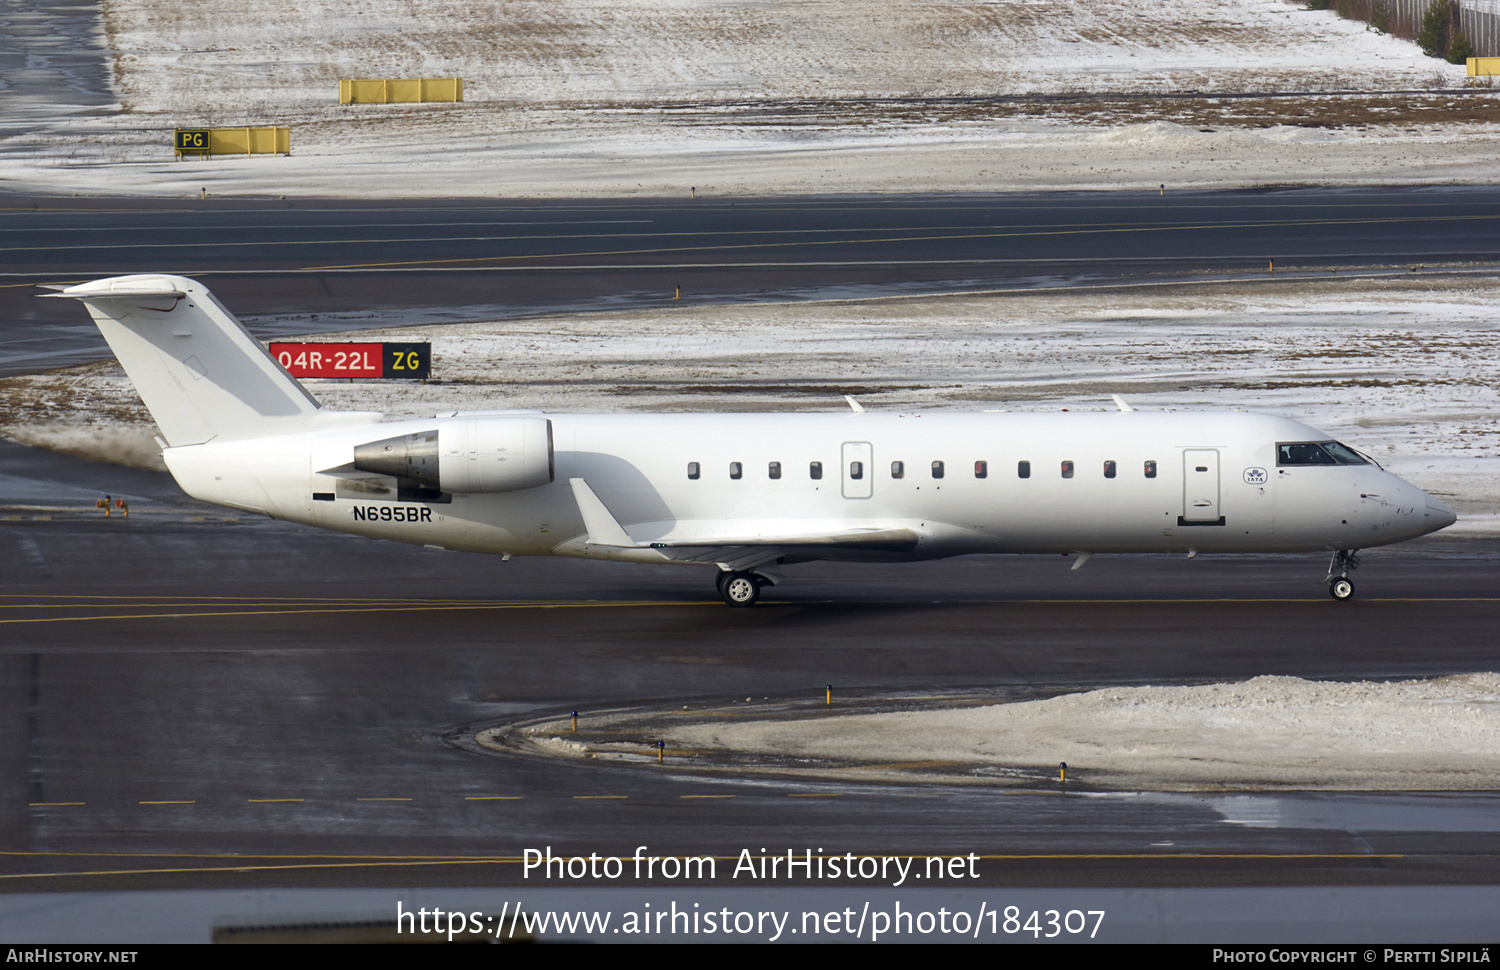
{"type": "Point", "coordinates": [293, 267]}
{"type": "Point", "coordinates": [196, 699]}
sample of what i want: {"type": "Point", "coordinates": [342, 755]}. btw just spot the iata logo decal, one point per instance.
{"type": "Point", "coordinates": [1255, 476]}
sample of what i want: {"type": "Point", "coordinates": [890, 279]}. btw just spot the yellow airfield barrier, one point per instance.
{"type": "Point", "coordinates": [1484, 66]}
{"type": "Point", "coordinates": [233, 141]}
{"type": "Point", "coordinates": [401, 90]}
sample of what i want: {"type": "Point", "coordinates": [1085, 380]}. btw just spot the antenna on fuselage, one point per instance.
{"type": "Point", "coordinates": [1120, 403]}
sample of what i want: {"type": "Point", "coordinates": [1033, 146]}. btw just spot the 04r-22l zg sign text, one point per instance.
{"type": "Point", "coordinates": [399, 361]}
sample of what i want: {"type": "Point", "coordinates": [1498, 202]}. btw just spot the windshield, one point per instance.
{"type": "Point", "coordinates": [1317, 453]}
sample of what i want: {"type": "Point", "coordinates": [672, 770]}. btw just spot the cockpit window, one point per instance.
{"type": "Point", "coordinates": [1303, 454]}
{"type": "Point", "coordinates": [1343, 454]}
{"type": "Point", "coordinates": [1319, 453]}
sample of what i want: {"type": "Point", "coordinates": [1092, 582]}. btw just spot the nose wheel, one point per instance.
{"type": "Point", "coordinates": [739, 589]}
{"type": "Point", "coordinates": [1344, 562]}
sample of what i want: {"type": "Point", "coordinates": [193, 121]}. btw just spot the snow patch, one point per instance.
{"type": "Point", "coordinates": [1270, 731]}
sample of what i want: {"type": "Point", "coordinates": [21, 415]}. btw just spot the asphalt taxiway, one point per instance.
{"type": "Point", "coordinates": [204, 700]}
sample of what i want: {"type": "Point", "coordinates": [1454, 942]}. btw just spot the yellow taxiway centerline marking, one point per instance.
{"type": "Point", "coordinates": [692, 603]}
{"type": "Point", "coordinates": [230, 599]}
{"type": "Point", "coordinates": [595, 797]}
{"type": "Point", "coordinates": [194, 604]}
{"type": "Point", "coordinates": [51, 804]}
{"type": "Point", "coordinates": [518, 860]}
{"type": "Point", "coordinates": [362, 609]}
{"type": "Point", "coordinates": [352, 857]}
{"type": "Point", "coordinates": [492, 798]}
{"type": "Point", "coordinates": [179, 802]}
{"type": "Point", "coordinates": [707, 796]}
{"type": "Point", "coordinates": [262, 868]}
{"type": "Point", "coordinates": [382, 799]}
{"type": "Point", "coordinates": [501, 860]}
{"type": "Point", "coordinates": [268, 801]}
{"type": "Point", "coordinates": [145, 600]}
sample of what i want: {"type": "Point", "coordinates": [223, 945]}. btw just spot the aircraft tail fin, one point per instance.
{"type": "Point", "coordinates": [202, 375]}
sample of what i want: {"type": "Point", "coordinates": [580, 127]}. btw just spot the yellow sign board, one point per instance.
{"type": "Point", "coordinates": [401, 90]}
{"type": "Point", "coordinates": [1484, 66]}
{"type": "Point", "coordinates": [233, 141]}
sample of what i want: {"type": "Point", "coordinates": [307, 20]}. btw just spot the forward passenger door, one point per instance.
{"type": "Point", "coordinates": [1200, 485]}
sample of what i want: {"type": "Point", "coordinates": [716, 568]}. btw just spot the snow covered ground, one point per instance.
{"type": "Point", "coordinates": [283, 54]}
{"type": "Point", "coordinates": [1268, 732]}
{"type": "Point", "coordinates": [1401, 367]}
{"type": "Point", "coordinates": [652, 97]}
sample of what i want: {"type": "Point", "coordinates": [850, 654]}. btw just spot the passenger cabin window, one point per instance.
{"type": "Point", "coordinates": [1109, 469]}
{"type": "Point", "coordinates": [937, 469]}
{"type": "Point", "coordinates": [693, 470]}
{"type": "Point", "coordinates": [898, 469]}
{"type": "Point", "coordinates": [1150, 469]}
{"type": "Point", "coordinates": [1067, 469]}
{"type": "Point", "coordinates": [736, 470]}
{"type": "Point", "coordinates": [1319, 453]}
{"type": "Point", "coordinates": [774, 470]}
{"type": "Point", "coordinates": [815, 470]}
{"type": "Point", "coordinates": [981, 469]}
{"type": "Point", "coordinates": [1023, 469]}
{"type": "Point", "coordinates": [856, 470]}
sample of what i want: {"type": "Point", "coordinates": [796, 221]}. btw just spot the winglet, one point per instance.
{"type": "Point", "coordinates": [854, 405]}
{"type": "Point", "coordinates": [1120, 403]}
{"type": "Point", "coordinates": [602, 527]}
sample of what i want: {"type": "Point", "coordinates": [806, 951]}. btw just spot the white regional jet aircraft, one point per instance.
{"type": "Point", "coordinates": [742, 493]}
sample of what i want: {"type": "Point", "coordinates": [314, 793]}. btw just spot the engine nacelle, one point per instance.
{"type": "Point", "coordinates": [466, 455]}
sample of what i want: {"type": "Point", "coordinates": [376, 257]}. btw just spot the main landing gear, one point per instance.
{"type": "Point", "coordinates": [740, 589]}
{"type": "Point", "coordinates": [1344, 562]}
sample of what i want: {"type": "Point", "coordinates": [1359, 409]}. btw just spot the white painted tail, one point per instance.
{"type": "Point", "coordinates": [201, 373]}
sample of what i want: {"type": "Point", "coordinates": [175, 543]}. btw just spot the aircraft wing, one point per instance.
{"type": "Point", "coordinates": [604, 530]}
{"type": "Point", "coordinates": [883, 540]}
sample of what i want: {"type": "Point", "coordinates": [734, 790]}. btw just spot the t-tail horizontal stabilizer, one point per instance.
{"type": "Point", "coordinates": [202, 375]}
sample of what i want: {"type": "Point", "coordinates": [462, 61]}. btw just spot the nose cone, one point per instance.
{"type": "Point", "coordinates": [1438, 516]}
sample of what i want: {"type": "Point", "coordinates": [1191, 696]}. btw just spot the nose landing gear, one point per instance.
{"type": "Point", "coordinates": [1344, 562]}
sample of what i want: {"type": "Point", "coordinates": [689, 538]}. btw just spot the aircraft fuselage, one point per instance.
{"type": "Point", "coordinates": [961, 482]}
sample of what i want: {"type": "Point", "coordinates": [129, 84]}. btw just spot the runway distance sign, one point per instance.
{"type": "Point", "coordinates": [398, 361]}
